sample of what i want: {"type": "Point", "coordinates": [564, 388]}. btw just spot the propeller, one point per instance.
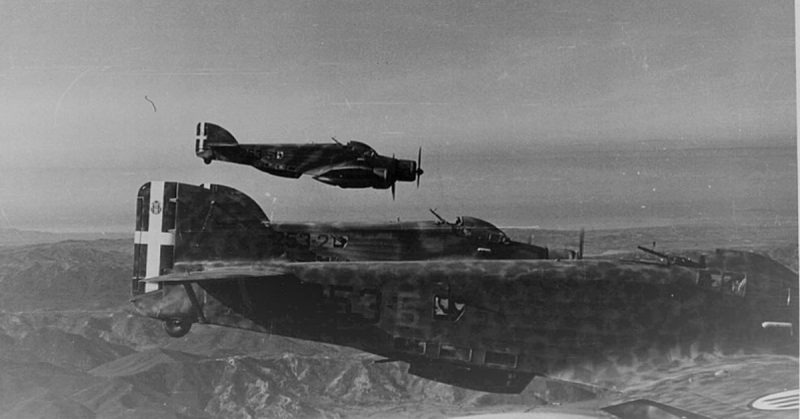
{"type": "Point", "coordinates": [580, 243]}
{"type": "Point", "coordinates": [419, 165]}
{"type": "Point", "coordinates": [395, 166]}
{"type": "Point", "coordinates": [394, 170]}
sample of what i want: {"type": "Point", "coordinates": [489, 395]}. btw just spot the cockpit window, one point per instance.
{"type": "Point", "coordinates": [731, 283]}
{"type": "Point", "coordinates": [480, 230]}
{"type": "Point", "coordinates": [362, 149]}
{"type": "Point", "coordinates": [498, 237]}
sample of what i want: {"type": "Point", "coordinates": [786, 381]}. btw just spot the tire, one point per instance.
{"type": "Point", "coordinates": [177, 327]}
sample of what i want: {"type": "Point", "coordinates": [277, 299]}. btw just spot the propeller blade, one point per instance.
{"type": "Point", "coordinates": [580, 243]}
{"type": "Point", "coordinates": [419, 165]}
{"type": "Point", "coordinates": [393, 183]}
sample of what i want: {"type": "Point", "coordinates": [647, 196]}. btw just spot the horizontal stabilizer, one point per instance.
{"type": "Point", "coordinates": [220, 274]}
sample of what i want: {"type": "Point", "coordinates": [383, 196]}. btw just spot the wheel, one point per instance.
{"type": "Point", "coordinates": [177, 327]}
{"type": "Point", "coordinates": [207, 160]}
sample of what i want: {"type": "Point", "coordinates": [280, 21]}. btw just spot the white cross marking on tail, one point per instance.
{"type": "Point", "coordinates": [154, 238]}
{"type": "Point", "coordinates": [202, 137]}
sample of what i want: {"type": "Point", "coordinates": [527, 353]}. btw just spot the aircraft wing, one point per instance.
{"type": "Point", "coordinates": [719, 386]}
{"type": "Point", "coordinates": [221, 273]}
{"type": "Point", "coordinates": [730, 386]}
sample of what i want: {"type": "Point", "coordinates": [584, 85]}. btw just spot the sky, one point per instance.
{"type": "Point", "coordinates": [109, 91]}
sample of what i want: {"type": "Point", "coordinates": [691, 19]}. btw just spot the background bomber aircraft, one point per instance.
{"type": "Point", "coordinates": [351, 165]}
{"type": "Point", "coordinates": [208, 254]}
{"type": "Point", "coordinates": [467, 237]}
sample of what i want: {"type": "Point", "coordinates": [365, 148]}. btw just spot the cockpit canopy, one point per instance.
{"type": "Point", "coordinates": [480, 230]}
{"type": "Point", "coordinates": [361, 149]}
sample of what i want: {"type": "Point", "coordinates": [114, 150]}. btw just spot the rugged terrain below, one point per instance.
{"type": "Point", "coordinates": [71, 348]}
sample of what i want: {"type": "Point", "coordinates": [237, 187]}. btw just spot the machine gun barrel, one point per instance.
{"type": "Point", "coordinates": [674, 260]}
{"type": "Point", "coordinates": [653, 252]}
{"type": "Point", "coordinates": [442, 220]}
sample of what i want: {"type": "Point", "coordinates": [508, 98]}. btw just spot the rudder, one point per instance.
{"type": "Point", "coordinates": [211, 135]}
{"type": "Point", "coordinates": [154, 238]}
{"type": "Point", "coordinates": [181, 227]}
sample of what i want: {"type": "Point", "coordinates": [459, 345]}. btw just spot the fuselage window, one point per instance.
{"type": "Point", "coordinates": [410, 345]}
{"type": "Point", "coordinates": [500, 358]}
{"type": "Point", "coordinates": [455, 352]}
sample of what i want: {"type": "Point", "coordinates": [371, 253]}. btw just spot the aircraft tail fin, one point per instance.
{"type": "Point", "coordinates": [182, 227]}
{"type": "Point", "coordinates": [211, 135]}
{"type": "Point", "coordinates": [154, 238]}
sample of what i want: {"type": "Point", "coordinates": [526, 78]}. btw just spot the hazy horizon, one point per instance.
{"type": "Point", "coordinates": [591, 186]}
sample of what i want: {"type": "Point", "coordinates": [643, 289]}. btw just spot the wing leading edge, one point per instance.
{"type": "Point", "coordinates": [220, 274]}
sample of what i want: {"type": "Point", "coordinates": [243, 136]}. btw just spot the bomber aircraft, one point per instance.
{"type": "Point", "coordinates": [466, 238]}
{"type": "Point", "coordinates": [351, 165]}
{"type": "Point", "coordinates": [208, 254]}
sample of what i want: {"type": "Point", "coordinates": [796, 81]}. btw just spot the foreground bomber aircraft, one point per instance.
{"type": "Point", "coordinates": [351, 165]}
{"type": "Point", "coordinates": [210, 255]}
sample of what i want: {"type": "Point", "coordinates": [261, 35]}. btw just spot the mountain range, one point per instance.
{"type": "Point", "coordinates": [70, 347]}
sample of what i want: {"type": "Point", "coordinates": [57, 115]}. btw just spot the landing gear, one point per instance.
{"type": "Point", "coordinates": [177, 327]}
{"type": "Point", "coordinates": [207, 160]}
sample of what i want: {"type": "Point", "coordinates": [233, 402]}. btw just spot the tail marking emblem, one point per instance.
{"type": "Point", "coordinates": [154, 237]}
{"type": "Point", "coordinates": [202, 136]}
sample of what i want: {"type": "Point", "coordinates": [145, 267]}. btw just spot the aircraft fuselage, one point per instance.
{"type": "Point", "coordinates": [209, 255]}
{"type": "Point", "coordinates": [411, 240]}
{"type": "Point", "coordinates": [512, 318]}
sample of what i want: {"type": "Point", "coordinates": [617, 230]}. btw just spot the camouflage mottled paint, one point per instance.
{"type": "Point", "coordinates": [351, 165]}
{"type": "Point", "coordinates": [485, 324]}
{"type": "Point", "coordinates": [468, 237]}
{"type": "Point", "coordinates": [235, 218]}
